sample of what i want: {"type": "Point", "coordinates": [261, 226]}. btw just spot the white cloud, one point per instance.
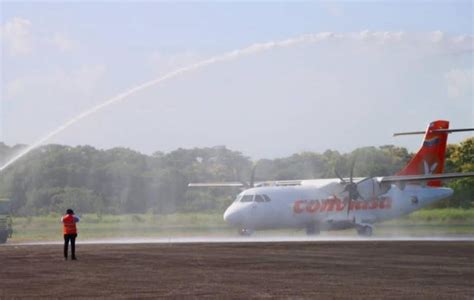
{"type": "Point", "coordinates": [459, 82]}
{"type": "Point", "coordinates": [81, 81]}
{"type": "Point", "coordinates": [19, 38]}
{"type": "Point", "coordinates": [437, 36]}
{"type": "Point", "coordinates": [16, 36]}
{"type": "Point", "coordinates": [62, 42]}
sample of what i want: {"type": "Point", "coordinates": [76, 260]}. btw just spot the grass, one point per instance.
{"type": "Point", "coordinates": [92, 226]}
{"type": "Point", "coordinates": [442, 216]}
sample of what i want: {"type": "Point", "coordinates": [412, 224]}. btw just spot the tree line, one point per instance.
{"type": "Point", "coordinates": [120, 180]}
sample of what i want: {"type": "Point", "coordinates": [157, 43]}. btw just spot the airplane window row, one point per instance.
{"type": "Point", "coordinates": [256, 198]}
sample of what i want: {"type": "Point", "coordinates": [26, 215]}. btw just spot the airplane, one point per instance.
{"type": "Point", "coordinates": [343, 203]}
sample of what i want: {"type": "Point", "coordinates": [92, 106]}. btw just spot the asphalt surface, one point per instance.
{"type": "Point", "coordinates": [322, 269]}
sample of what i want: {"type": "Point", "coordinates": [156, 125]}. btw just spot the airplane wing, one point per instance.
{"type": "Point", "coordinates": [240, 184]}
{"type": "Point", "coordinates": [385, 179]}
{"type": "Point", "coordinates": [428, 177]}
{"type": "Point", "coordinates": [279, 183]}
{"type": "Point", "coordinates": [217, 184]}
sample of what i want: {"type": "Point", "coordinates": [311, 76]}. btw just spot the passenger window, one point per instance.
{"type": "Point", "coordinates": [267, 199]}
{"type": "Point", "coordinates": [259, 198]}
{"type": "Point", "coordinates": [247, 198]}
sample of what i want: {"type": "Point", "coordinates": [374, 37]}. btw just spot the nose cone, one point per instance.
{"type": "Point", "coordinates": [232, 216]}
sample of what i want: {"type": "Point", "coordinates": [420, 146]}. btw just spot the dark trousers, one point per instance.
{"type": "Point", "coordinates": [72, 238]}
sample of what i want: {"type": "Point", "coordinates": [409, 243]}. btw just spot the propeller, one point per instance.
{"type": "Point", "coordinates": [350, 187]}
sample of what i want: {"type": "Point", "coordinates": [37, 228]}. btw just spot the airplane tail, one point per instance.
{"type": "Point", "coordinates": [431, 156]}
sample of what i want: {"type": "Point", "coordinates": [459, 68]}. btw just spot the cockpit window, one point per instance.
{"type": "Point", "coordinates": [247, 198]}
{"type": "Point", "coordinates": [251, 198]}
{"type": "Point", "coordinates": [237, 199]}
{"type": "Point", "coordinates": [262, 198]}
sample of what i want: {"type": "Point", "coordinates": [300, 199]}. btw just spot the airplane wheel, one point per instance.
{"type": "Point", "coordinates": [365, 231]}
{"type": "Point", "coordinates": [245, 232]}
{"type": "Point", "coordinates": [312, 229]}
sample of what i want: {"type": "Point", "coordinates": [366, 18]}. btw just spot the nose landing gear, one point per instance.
{"type": "Point", "coordinates": [245, 232]}
{"type": "Point", "coordinates": [364, 230]}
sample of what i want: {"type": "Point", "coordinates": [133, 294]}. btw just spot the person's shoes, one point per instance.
{"type": "Point", "coordinates": [74, 258]}
{"type": "Point", "coordinates": [65, 258]}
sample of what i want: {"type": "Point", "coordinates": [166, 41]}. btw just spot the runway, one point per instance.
{"type": "Point", "coordinates": [362, 269]}
{"type": "Point", "coordinates": [254, 239]}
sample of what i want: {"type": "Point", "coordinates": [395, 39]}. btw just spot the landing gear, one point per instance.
{"type": "Point", "coordinates": [245, 232]}
{"type": "Point", "coordinates": [364, 230]}
{"type": "Point", "coordinates": [312, 229]}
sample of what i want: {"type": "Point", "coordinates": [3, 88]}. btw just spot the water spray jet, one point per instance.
{"type": "Point", "coordinates": [464, 43]}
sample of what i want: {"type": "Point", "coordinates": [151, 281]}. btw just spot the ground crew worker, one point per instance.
{"type": "Point", "coordinates": [70, 232]}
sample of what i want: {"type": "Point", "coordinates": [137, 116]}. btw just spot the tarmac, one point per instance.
{"type": "Point", "coordinates": [307, 269]}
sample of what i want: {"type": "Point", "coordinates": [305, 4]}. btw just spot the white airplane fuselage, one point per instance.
{"type": "Point", "coordinates": [321, 203]}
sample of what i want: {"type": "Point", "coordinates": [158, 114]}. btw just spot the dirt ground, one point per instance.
{"type": "Point", "coordinates": [320, 270]}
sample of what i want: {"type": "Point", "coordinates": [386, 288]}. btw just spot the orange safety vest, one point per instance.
{"type": "Point", "coordinates": [69, 224]}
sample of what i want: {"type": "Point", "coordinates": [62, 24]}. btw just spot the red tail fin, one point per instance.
{"type": "Point", "coordinates": [430, 158]}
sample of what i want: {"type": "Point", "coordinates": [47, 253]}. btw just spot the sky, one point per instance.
{"type": "Point", "coordinates": [339, 75]}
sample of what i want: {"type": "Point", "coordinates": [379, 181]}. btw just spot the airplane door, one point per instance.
{"type": "Point", "coordinates": [258, 211]}
{"type": "Point", "coordinates": [255, 205]}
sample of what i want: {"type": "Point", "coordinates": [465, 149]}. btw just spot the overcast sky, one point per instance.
{"type": "Point", "coordinates": [349, 75]}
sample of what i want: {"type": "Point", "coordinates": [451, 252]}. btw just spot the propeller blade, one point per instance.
{"type": "Point", "coordinates": [352, 171]}
{"type": "Point", "coordinates": [252, 175]}
{"type": "Point", "coordinates": [339, 176]}
{"type": "Point", "coordinates": [349, 205]}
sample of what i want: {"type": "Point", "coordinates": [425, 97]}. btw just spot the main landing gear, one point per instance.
{"type": "Point", "coordinates": [364, 230]}
{"type": "Point", "coordinates": [245, 232]}
{"type": "Point", "coordinates": [312, 229]}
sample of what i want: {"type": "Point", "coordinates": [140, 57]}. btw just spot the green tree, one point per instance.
{"type": "Point", "coordinates": [460, 158]}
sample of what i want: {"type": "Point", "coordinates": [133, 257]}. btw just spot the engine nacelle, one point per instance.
{"type": "Point", "coordinates": [371, 188]}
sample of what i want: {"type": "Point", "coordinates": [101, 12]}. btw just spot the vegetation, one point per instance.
{"type": "Point", "coordinates": [443, 216]}
{"type": "Point", "coordinates": [122, 181]}
{"type": "Point", "coordinates": [460, 158]}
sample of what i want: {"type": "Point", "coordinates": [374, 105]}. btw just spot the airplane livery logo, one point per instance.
{"type": "Point", "coordinates": [335, 204]}
{"type": "Point", "coordinates": [431, 142]}
{"type": "Point", "coordinates": [429, 169]}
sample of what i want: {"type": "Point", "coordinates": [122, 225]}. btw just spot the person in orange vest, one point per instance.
{"type": "Point", "coordinates": [70, 232]}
